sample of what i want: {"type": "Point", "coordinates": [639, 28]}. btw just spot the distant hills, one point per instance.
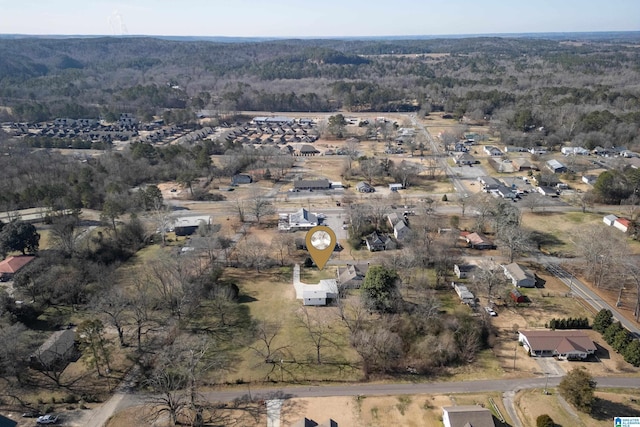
{"type": "Point", "coordinates": [583, 36]}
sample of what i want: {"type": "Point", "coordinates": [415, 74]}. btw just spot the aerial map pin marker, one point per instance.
{"type": "Point", "coordinates": [321, 241]}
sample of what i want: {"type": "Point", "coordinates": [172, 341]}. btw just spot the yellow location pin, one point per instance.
{"type": "Point", "coordinates": [321, 241]}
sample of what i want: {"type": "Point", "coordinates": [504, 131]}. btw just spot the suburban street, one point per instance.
{"type": "Point", "coordinates": [123, 400]}
{"type": "Point", "coordinates": [580, 290]}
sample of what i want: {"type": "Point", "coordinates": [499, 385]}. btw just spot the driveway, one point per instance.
{"type": "Point", "coordinates": [550, 366]}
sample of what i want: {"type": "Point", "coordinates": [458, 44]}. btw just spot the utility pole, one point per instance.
{"type": "Point", "coordinates": [546, 382]}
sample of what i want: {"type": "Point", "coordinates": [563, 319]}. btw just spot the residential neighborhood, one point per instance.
{"type": "Point", "coordinates": [437, 232]}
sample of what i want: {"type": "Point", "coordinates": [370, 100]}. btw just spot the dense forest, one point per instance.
{"type": "Point", "coordinates": [536, 89]}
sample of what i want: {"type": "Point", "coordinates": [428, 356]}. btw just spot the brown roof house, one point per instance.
{"type": "Point", "coordinates": [478, 241]}
{"type": "Point", "coordinates": [11, 265]}
{"type": "Point", "coordinates": [467, 416]}
{"type": "Point", "coordinates": [521, 164]}
{"type": "Point", "coordinates": [56, 352]}
{"type": "Point", "coordinates": [565, 344]}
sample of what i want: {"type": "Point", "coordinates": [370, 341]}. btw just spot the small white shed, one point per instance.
{"type": "Point", "coordinates": [609, 219]}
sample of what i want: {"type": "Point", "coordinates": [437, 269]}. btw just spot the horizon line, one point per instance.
{"type": "Point", "coordinates": [396, 36]}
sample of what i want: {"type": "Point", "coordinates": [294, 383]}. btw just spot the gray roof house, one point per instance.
{"type": "Point", "coordinates": [55, 352]}
{"type": "Point", "coordinates": [555, 166]}
{"type": "Point", "coordinates": [379, 242]}
{"type": "Point", "coordinates": [241, 178]}
{"type": "Point", "coordinates": [401, 230]}
{"type": "Point", "coordinates": [467, 416]}
{"type": "Point", "coordinates": [520, 277]}
{"type": "Point", "coordinates": [464, 159]}
{"type": "Point", "coordinates": [466, 296]}
{"type": "Point", "coordinates": [7, 422]}
{"type": "Point", "coordinates": [302, 220]}
{"type": "Point", "coordinates": [351, 276]}
{"type": "Point", "coordinates": [489, 183]}
{"type": "Point", "coordinates": [492, 151]}
{"type": "Point", "coordinates": [312, 184]}
{"type": "Point", "coordinates": [187, 225]}
{"type": "Point", "coordinates": [394, 218]}
{"type": "Point", "coordinates": [506, 192]}
{"type": "Point", "coordinates": [364, 187]}
{"type": "Point", "coordinates": [463, 271]}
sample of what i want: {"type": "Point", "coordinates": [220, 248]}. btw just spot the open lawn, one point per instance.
{"type": "Point", "coordinates": [552, 230]}
{"type": "Point", "coordinates": [270, 297]}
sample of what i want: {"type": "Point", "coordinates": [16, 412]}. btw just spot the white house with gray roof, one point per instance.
{"type": "Point", "coordinates": [520, 277]}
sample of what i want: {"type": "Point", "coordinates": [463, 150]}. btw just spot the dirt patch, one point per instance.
{"type": "Point", "coordinates": [363, 411]}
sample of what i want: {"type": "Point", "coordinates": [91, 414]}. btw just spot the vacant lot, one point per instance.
{"type": "Point", "coordinates": [358, 411]}
{"type": "Point", "coordinates": [270, 298]}
{"type": "Point", "coordinates": [610, 403]}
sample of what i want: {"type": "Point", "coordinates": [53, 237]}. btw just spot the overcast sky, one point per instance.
{"type": "Point", "coordinates": [319, 18]}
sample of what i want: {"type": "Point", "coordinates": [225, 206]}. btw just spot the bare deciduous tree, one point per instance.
{"type": "Point", "coordinates": [489, 276]}
{"type": "Point", "coordinates": [281, 246]}
{"type": "Point", "coordinates": [64, 233]}
{"type": "Point", "coordinates": [318, 330]}
{"type": "Point", "coordinates": [602, 251]}
{"type": "Point", "coordinates": [260, 207]}
{"type": "Point", "coordinates": [379, 348]}
{"type": "Point", "coordinates": [114, 304]}
{"type": "Point", "coordinates": [515, 240]}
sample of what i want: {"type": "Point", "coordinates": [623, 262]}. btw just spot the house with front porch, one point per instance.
{"type": "Point", "coordinates": [564, 344]}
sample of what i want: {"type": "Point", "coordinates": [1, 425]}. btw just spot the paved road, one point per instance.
{"type": "Point", "coordinates": [580, 290]}
{"type": "Point", "coordinates": [368, 389]}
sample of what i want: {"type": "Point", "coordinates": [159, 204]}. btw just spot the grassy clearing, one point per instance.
{"type": "Point", "coordinates": [270, 297]}
{"type": "Point", "coordinates": [609, 403]}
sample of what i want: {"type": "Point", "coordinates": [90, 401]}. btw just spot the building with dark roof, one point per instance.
{"type": "Point", "coordinates": [312, 184]}
{"type": "Point", "coordinates": [55, 352]}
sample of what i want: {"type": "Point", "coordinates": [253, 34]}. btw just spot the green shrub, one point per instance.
{"type": "Point", "coordinates": [544, 421]}
{"type": "Point", "coordinates": [70, 398]}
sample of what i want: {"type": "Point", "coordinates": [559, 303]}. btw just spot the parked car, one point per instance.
{"type": "Point", "coordinates": [31, 414]}
{"type": "Point", "coordinates": [490, 311]}
{"type": "Point", "coordinates": [47, 419]}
